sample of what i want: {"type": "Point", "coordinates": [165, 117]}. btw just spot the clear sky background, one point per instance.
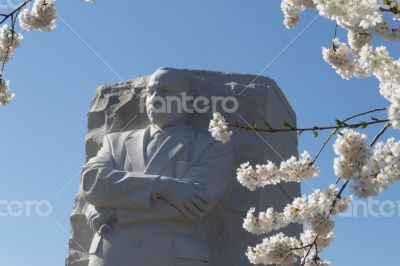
{"type": "Point", "coordinates": [54, 76]}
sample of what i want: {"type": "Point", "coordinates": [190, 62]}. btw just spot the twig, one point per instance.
{"type": "Point", "coordinates": [336, 130]}
{"type": "Point", "coordinates": [316, 128]}
{"type": "Point", "coordinates": [6, 16]}
{"type": "Point", "coordinates": [392, 10]}
{"type": "Point", "coordinates": [13, 16]}
{"type": "Point", "coordinates": [380, 133]}
{"type": "Point", "coordinates": [334, 37]}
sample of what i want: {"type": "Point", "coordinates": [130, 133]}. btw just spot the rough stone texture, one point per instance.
{"type": "Point", "coordinates": [115, 108]}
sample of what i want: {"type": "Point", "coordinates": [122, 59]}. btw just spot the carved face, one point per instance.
{"type": "Point", "coordinates": [166, 103]}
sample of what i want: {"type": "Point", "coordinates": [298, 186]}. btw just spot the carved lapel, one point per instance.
{"type": "Point", "coordinates": [134, 145]}
{"type": "Point", "coordinates": [168, 150]}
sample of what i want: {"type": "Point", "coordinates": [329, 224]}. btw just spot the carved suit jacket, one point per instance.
{"type": "Point", "coordinates": [119, 177]}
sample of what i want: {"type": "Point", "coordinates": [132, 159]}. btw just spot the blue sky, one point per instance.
{"type": "Point", "coordinates": [54, 76]}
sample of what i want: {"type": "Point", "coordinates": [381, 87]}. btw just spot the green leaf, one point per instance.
{"type": "Point", "coordinates": [339, 123]}
{"type": "Point", "coordinates": [253, 125]}
{"type": "Point", "coordinates": [286, 124]}
{"type": "Point", "coordinates": [315, 133]}
{"type": "Point", "coordinates": [268, 125]}
{"type": "Point", "coordinates": [363, 124]}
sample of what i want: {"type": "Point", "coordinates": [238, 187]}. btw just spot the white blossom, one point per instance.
{"type": "Point", "coordinates": [362, 19]}
{"type": "Point", "coordinates": [351, 14]}
{"type": "Point", "coordinates": [394, 114]}
{"type": "Point", "coordinates": [311, 210]}
{"type": "Point", "coordinates": [308, 236]}
{"type": "Point", "coordinates": [219, 128]}
{"type": "Point", "coordinates": [384, 30]}
{"type": "Point", "coordinates": [292, 9]}
{"type": "Point", "coordinates": [265, 221]}
{"type": "Point", "coordinates": [5, 95]}
{"type": "Point", "coordinates": [353, 153]}
{"type": "Point", "coordinates": [274, 250]}
{"type": "Point", "coordinates": [321, 224]}
{"type": "Point", "coordinates": [9, 41]}
{"type": "Point", "coordinates": [357, 40]}
{"type": "Point", "coordinates": [382, 169]}
{"type": "Point", "coordinates": [291, 170]}
{"type": "Point", "coordinates": [298, 211]}
{"type": "Point", "coordinates": [339, 57]}
{"type": "Point", "coordinates": [379, 63]}
{"type": "Point", "coordinates": [42, 16]}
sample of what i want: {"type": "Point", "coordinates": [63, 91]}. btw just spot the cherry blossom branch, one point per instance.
{"type": "Point", "coordinates": [333, 133]}
{"type": "Point", "coordinates": [380, 133]}
{"type": "Point", "coordinates": [391, 10]}
{"type": "Point", "coordinates": [41, 17]}
{"type": "Point", "coordinates": [13, 15]}
{"type": "Point", "coordinates": [334, 36]}
{"type": "Point", "coordinates": [338, 195]}
{"type": "Point", "coordinates": [340, 125]}
{"type": "Point", "coordinates": [16, 10]}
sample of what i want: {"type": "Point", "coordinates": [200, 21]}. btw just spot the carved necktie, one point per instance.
{"type": "Point", "coordinates": [154, 144]}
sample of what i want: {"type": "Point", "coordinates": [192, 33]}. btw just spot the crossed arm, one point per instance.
{"type": "Point", "coordinates": [141, 198]}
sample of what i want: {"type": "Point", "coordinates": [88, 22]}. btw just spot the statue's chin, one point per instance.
{"type": "Point", "coordinates": [167, 119]}
{"type": "Point", "coordinates": [160, 120]}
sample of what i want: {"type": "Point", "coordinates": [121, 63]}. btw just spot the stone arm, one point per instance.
{"type": "Point", "coordinates": [105, 187]}
{"type": "Point", "coordinates": [214, 169]}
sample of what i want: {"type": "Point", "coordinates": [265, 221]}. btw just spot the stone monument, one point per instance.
{"type": "Point", "coordinates": [157, 189]}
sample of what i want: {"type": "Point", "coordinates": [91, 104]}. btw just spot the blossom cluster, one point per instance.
{"type": "Point", "coordinates": [219, 128]}
{"type": "Point", "coordinates": [379, 63]}
{"type": "Point", "coordinates": [9, 41]}
{"type": "Point", "coordinates": [352, 151]}
{"type": "Point", "coordinates": [284, 250]}
{"type": "Point", "coordinates": [381, 169]}
{"type": "Point", "coordinates": [313, 211]}
{"type": "Point", "coordinates": [352, 14]}
{"type": "Point", "coordinates": [291, 170]}
{"type": "Point", "coordinates": [369, 61]}
{"type": "Point", "coordinates": [363, 19]}
{"type": "Point", "coordinates": [42, 16]}
{"type": "Point", "coordinates": [371, 171]}
{"type": "Point", "coordinates": [5, 95]}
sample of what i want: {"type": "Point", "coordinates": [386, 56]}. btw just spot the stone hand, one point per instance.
{"type": "Point", "coordinates": [187, 196]}
{"type": "Point", "coordinates": [99, 219]}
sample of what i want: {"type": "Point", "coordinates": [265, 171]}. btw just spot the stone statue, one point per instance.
{"type": "Point", "coordinates": [153, 188]}
{"type": "Point", "coordinates": [157, 190]}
